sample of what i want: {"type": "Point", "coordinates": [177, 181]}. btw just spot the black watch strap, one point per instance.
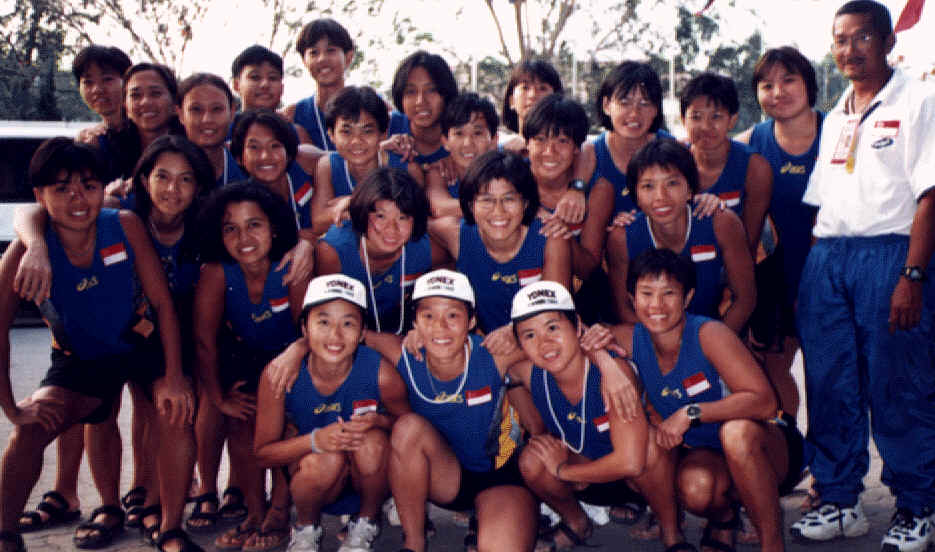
{"type": "Point", "coordinates": [578, 184]}
{"type": "Point", "coordinates": [914, 273]}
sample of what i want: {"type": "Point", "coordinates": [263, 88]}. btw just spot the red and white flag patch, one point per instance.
{"type": "Point", "coordinates": [602, 423]}
{"type": "Point", "coordinates": [364, 406]}
{"type": "Point", "coordinates": [529, 276]}
{"type": "Point", "coordinates": [701, 253]}
{"type": "Point", "coordinates": [114, 254]}
{"type": "Point", "coordinates": [478, 396]}
{"type": "Point", "coordinates": [730, 199]}
{"type": "Point", "coordinates": [696, 384]}
{"type": "Point", "coordinates": [886, 129]}
{"type": "Point", "coordinates": [303, 194]}
{"type": "Point", "coordinates": [279, 305]}
{"type": "Point", "coordinates": [410, 279]}
{"type": "Point", "coordinates": [576, 228]}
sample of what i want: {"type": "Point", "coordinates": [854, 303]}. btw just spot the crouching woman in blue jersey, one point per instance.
{"type": "Point", "coordinates": [342, 404]}
{"type": "Point", "coordinates": [104, 269]}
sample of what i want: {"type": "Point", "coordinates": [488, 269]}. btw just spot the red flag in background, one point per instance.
{"type": "Point", "coordinates": [708, 5]}
{"type": "Point", "coordinates": [910, 15]}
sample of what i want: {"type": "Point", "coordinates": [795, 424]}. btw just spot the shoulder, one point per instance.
{"type": "Point", "coordinates": [712, 334]}
{"type": "Point", "coordinates": [724, 221]}
{"type": "Point", "coordinates": [745, 136]}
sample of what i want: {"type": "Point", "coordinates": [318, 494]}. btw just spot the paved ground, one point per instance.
{"type": "Point", "coordinates": [30, 359]}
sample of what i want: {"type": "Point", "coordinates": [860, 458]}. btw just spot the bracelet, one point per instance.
{"type": "Point", "coordinates": [558, 469]}
{"type": "Point", "coordinates": [311, 438]}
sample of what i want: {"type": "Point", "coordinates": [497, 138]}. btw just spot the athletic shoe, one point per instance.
{"type": "Point", "coordinates": [908, 533]}
{"type": "Point", "coordinates": [830, 521]}
{"type": "Point", "coordinates": [360, 535]}
{"type": "Point", "coordinates": [305, 538]}
{"type": "Point", "coordinates": [390, 512]}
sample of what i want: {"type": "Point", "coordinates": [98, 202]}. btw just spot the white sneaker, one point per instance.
{"type": "Point", "coordinates": [908, 533]}
{"type": "Point", "coordinates": [360, 535]}
{"type": "Point", "coordinates": [390, 512]}
{"type": "Point", "coordinates": [829, 521]}
{"type": "Point", "coordinates": [305, 538]}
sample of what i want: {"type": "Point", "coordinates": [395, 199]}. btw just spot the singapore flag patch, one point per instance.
{"type": "Point", "coordinates": [364, 406]}
{"type": "Point", "coordinates": [602, 424]}
{"type": "Point", "coordinates": [303, 194]}
{"type": "Point", "coordinates": [114, 254]}
{"type": "Point", "coordinates": [529, 276]}
{"type": "Point", "coordinates": [478, 396]}
{"type": "Point", "coordinates": [696, 384]}
{"type": "Point", "coordinates": [701, 253]}
{"type": "Point", "coordinates": [279, 305]}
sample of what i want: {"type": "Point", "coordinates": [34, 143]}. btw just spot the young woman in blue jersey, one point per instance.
{"type": "Point", "coordinates": [592, 452]}
{"type": "Point", "coordinates": [103, 267]}
{"type": "Point", "coordinates": [385, 245]}
{"type": "Point", "coordinates": [499, 244]}
{"type": "Point", "coordinates": [712, 406]}
{"type": "Point", "coordinates": [267, 149]}
{"type": "Point", "coordinates": [256, 76]}
{"type": "Point", "coordinates": [469, 129]}
{"type": "Point", "coordinates": [786, 89]}
{"type": "Point", "coordinates": [244, 315]}
{"type": "Point", "coordinates": [663, 178]}
{"type": "Point", "coordinates": [726, 168]}
{"type": "Point", "coordinates": [327, 51]}
{"type": "Point", "coordinates": [342, 405]}
{"type": "Point", "coordinates": [530, 81]}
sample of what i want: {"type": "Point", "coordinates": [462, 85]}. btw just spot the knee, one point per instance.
{"type": "Point", "coordinates": [530, 466]}
{"type": "Point", "coordinates": [318, 470]}
{"type": "Point", "coordinates": [696, 488]}
{"type": "Point", "coordinates": [371, 456]}
{"type": "Point", "coordinates": [29, 437]}
{"type": "Point", "coordinates": [739, 438]}
{"type": "Point", "coordinates": [407, 431]}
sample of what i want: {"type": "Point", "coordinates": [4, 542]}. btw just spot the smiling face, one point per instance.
{"type": "Point", "coordinates": [551, 155]}
{"type": "Point", "coordinates": [526, 93]}
{"type": "Point", "coordinates": [631, 115]}
{"type": "Point", "coordinates": [388, 228]}
{"type": "Point", "coordinates": [206, 115]}
{"type": "Point", "coordinates": [358, 142]}
{"type": "Point", "coordinates": [549, 339]}
{"type": "Point", "coordinates": [333, 330]}
{"type": "Point", "coordinates": [660, 302]}
{"type": "Point", "coordinates": [327, 62]}
{"type": "Point", "coordinates": [264, 157]}
{"type": "Point", "coordinates": [102, 90]}
{"type": "Point", "coordinates": [259, 86]}
{"type": "Point", "coordinates": [468, 141]}
{"type": "Point", "coordinates": [171, 184]}
{"type": "Point", "coordinates": [498, 210]}
{"type": "Point", "coordinates": [422, 102]}
{"type": "Point", "coordinates": [443, 324]}
{"type": "Point", "coordinates": [246, 232]}
{"type": "Point", "coordinates": [73, 201]}
{"type": "Point", "coordinates": [662, 192]}
{"type": "Point", "coordinates": [149, 103]}
{"type": "Point", "coordinates": [707, 123]}
{"type": "Point", "coordinates": [859, 51]}
{"type": "Point", "coordinates": [781, 93]}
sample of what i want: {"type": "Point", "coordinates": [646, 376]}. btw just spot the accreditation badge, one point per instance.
{"type": "Point", "coordinates": [847, 140]}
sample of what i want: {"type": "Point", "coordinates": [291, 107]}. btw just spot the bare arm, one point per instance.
{"type": "Point", "coordinates": [208, 310]}
{"type": "Point", "coordinates": [326, 259]}
{"type": "Point", "coordinates": [33, 279]}
{"type": "Point", "coordinates": [556, 265]}
{"type": "Point", "coordinates": [441, 202]}
{"type": "Point", "coordinates": [589, 250]}
{"type": "Point", "coordinates": [618, 264]}
{"type": "Point", "coordinates": [906, 300]}
{"type": "Point", "coordinates": [324, 193]}
{"type": "Point", "coordinates": [446, 232]}
{"type": "Point", "coordinates": [9, 302]}
{"type": "Point", "coordinates": [739, 267]}
{"type": "Point", "coordinates": [759, 191]}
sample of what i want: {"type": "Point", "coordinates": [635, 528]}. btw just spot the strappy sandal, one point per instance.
{"type": "Point", "coordinates": [14, 538]}
{"type": "Point", "coordinates": [234, 539]}
{"type": "Point", "coordinates": [470, 538]}
{"type": "Point", "coordinates": [199, 514]}
{"type": "Point", "coordinates": [707, 541]}
{"type": "Point", "coordinates": [634, 512]}
{"type": "Point", "coordinates": [234, 510]}
{"type": "Point", "coordinates": [133, 503]}
{"type": "Point", "coordinates": [188, 545]}
{"type": "Point", "coordinates": [54, 505]}
{"type": "Point", "coordinates": [101, 534]}
{"type": "Point", "coordinates": [150, 532]}
{"type": "Point", "coordinates": [575, 539]}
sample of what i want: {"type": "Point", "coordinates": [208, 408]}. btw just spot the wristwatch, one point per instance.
{"type": "Point", "coordinates": [913, 273]}
{"type": "Point", "coordinates": [578, 184]}
{"type": "Point", "coordinates": [693, 411]}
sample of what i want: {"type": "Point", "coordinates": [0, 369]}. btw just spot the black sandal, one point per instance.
{"type": "Point", "coordinates": [707, 541]}
{"type": "Point", "coordinates": [133, 502]}
{"type": "Point", "coordinates": [15, 538]}
{"type": "Point", "coordinates": [234, 510]}
{"type": "Point", "coordinates": [470, 538]}
{"type": "Point", "coordinates": [188, 545]}
{"type": "Point", "coordinates": [150, 533]}
{"type": "Point", "coordinates": [55, 507]}
{"type": "Point", "coordinates": [200, 515]}
{"type": "Point", "coordinates": [575, 539]}
{"type": "Point", "coordinates": [105, 533]}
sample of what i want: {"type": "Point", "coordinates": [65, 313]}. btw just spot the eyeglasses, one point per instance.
{"type": "Point", "coordinates": [858, 41]}
{"type": "Point", "coordinates": [487, 202]}
{"type": "Point", "coordinates": [627, 103]}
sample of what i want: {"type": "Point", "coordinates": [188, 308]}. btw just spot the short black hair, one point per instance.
{"type": "Point", "coordinates": [662, 152]}
{"type": "Point", "coordinates": [621, 80]}
{"type": "Point", "coordinates": [325, 27]}
{"type": "Point", "coordinates": [438, 71]}
{"type": "Point", "coordinates": [211, 219]}
{"type": "Point", "coordinates": [351, 101]}
{"type": "Point", "coordinates": [459, 110]}
{"type": "Point", "coordinates": [171, 143]}
{"type": "Point", "coordinates": [393, 185]}
{"type": "Point", "coordinates": [555, 115]}
{"type": "Point", "coordinates": [792, 61]}
{"type": "Point", "coordinates": [496, 164]}
{"type": "Point", "coordinates": [571, 315]}
{"type": "Point", "coordinates": [62, 154]}
{"type": "Point", "coordinates": [166, 74]}
{"type": "Point", "coordinates": [878, 13]}
{"type": "Point", "coordinates": [106, 57]}
{"type": "Point", "coordinates": [255, 55]}
{"type": "Point", "coordinates": [526, 70]}
{"type": "Point", "coordinates": [659, 262]}
{"type": "Point", "coordinates": [210, 79]}
{"type": "Point", "coordinates": [716, 88]}
{"type": "Point", "coordinates": [281, 128]}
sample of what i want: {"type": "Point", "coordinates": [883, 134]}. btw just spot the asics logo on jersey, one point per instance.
{"type": "Point", "coordinates": [677, 393]}
{"type": "Point", "coordinates": [790, 168]}
{"type": "Point", "coordinates": [325, 407]}
{"type": "Point", "coordinates": [505, 278]}
{"type": "Point", "coordinates": [257, 318]}
{"type": "Point", "coordinates": [443, 397]}
{"type": "Point", "coordinates": [87, 283]}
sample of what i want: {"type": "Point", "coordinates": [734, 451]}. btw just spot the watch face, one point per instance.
{"type": "Point", "coordinates": [693, 411]}
{"type": "Point", "coordinates": [914, 274]}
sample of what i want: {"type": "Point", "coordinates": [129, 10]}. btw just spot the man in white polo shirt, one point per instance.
{"type": "Point", "coordinates": [867, 299]}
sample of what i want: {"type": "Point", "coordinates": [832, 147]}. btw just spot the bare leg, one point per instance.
{"type": "Point", "coordinates": [317, 480]}
{"type": "Point", "coordinates": [657, 485]}
{"type": "Point", "coordinates": [142, 432]}
{"type": "Point", "coordinates": [174, 462]}
{"type": "Point", "coordinates": [703, 483]}
{"type": "Point", "coordinates": [240, 448]}
{"type": "Point", "coordinates": [778, 369]}
{"type": "Point", "coordinates": [210, 432]}
{"type": "Point", "coordinates": [506, 519]}
{"type": "Point", "coordinates": [558, 494]}
{"type": "Point", "coordinates": [70, 449]}
{"type": "Point", "coordinates": [369, 472]}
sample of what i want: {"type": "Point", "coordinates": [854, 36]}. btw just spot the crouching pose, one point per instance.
{"type": "Point", "coordinates": [337, 456]}
{"type": "Point", "coordinates": [593, 452]}
{"type": "Point", "coordinates": [105, 271]}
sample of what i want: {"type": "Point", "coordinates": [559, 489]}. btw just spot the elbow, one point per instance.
{"type": "Point", "coordinates": [769, 406]}
{"type": "Point", "coordinates": [631, 467]}
{"type": "Point", "coordinates": [263, 458]}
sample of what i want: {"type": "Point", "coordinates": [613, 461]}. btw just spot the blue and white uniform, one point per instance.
{"type": "Point", "coordinates": [731, 185]}
{"type": "Point", "coordinates": [692, 380]}
{"type": "Point", "coordinates": [232, 171]}
{"type": "Point", "coordinates": [312, 119]}
{"type": "Point", "coordinates": [496, 283]}
{"type": "Point", "coordinates": [264, 326]}
{"type": "Point", "coordinates": [701, 248]}
{"type": "Point", "coordinates": [607, 169]}
{"type": "Point", "coordinates": [301, 189]}
{"type": "Point", "coordinates": [342, 182]}
{"type": "Point", "coordinates": [392, 289]}
{"type": "Point", "coordinates": [399, 124]}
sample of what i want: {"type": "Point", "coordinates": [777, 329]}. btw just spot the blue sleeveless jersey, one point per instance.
{"type": "Point", "coordinates": [701, 248]}
{"type": "Point", "coordinates": [386, 285]}
{"type": "Point", "coordinates": [302, 190]}
{"type": "Point", "coordinates": [793, 219]}
{"type": "Point", "coordinates": [308, 409]}
{"type": "Point", "coordinates": [96, 304]}
{"type": "Point", "coordinates": [594, 425]}
{"type": "Point", "coordinates": [495, 283]}
{"type": "Point", "coordinates": [341, 180]}
{"type": "Point", "coordinates": [312, 119]}
{"type": "Point", "coordinates": [471, 420]}
{"type": "Point", "coordinates": [693, 380]}
{"type": "Point", "coordinates": [182, 273]}
{"type": "Point", "coordinates": [607, 169]}
{"type": "Point", "coordinates": [453, 189]}
{"type": "Point", "coordinates": [234, 172]}
{"type": "Point", "coordinates": [730, 186]}
{"type": "Point", "coordinates": [267, 325]}
{"type": "Point", "coordinates": [399, 124]}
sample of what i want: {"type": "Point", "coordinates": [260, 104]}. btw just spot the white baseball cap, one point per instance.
{"type": "Point", "coordinates": [539, 297]}
{"type": "Point", "coordinates": [444, 283]}
{"type": "Point", "coordinates": [335, 286]}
